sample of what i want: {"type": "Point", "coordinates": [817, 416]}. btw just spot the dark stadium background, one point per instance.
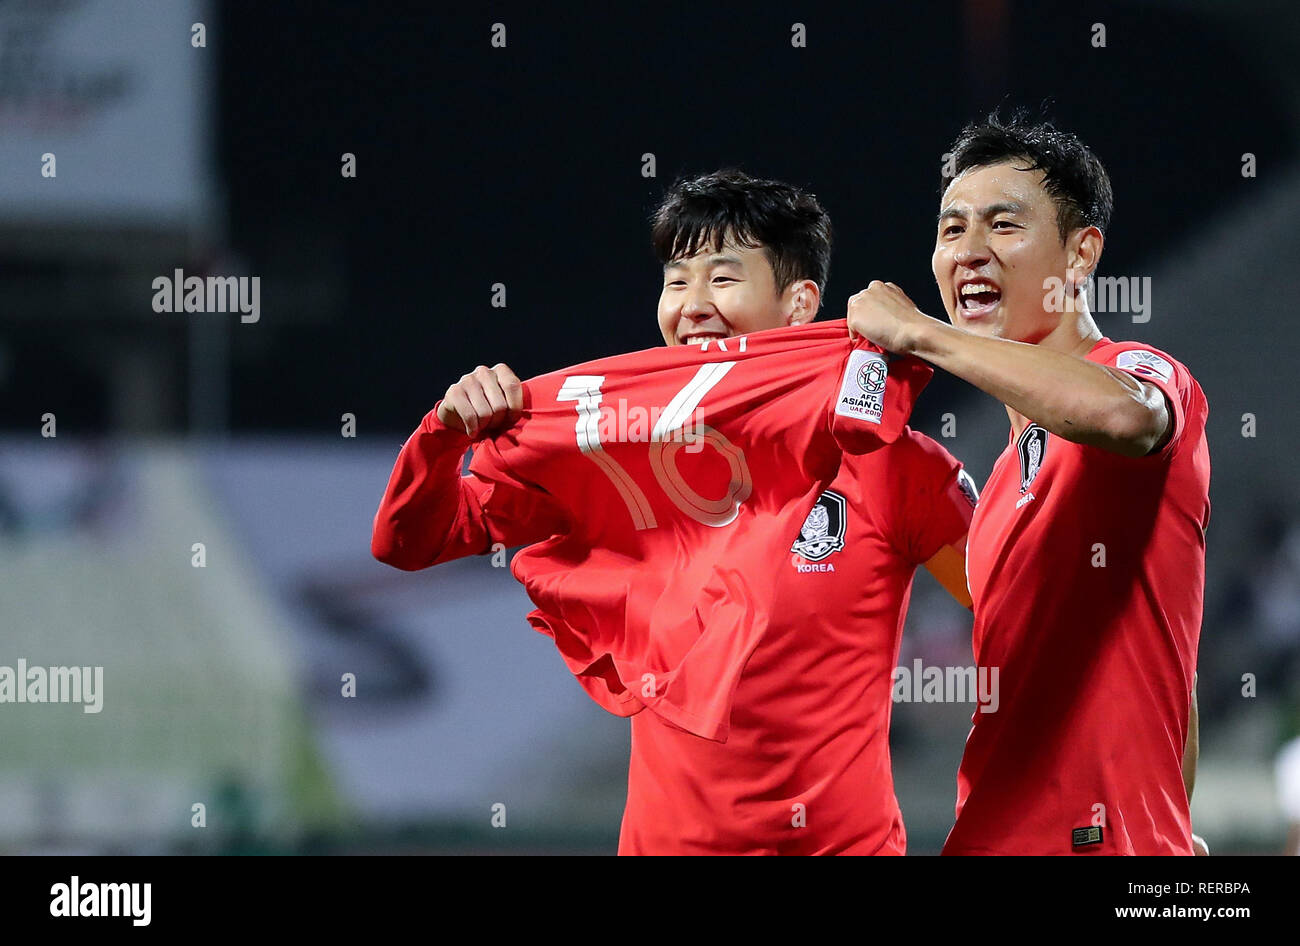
{"type": "Point", "coordinates": [522, 166]}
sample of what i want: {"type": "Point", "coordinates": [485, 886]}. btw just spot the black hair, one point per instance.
{"type": "Point", "coordinates": [788, 223]}
{"type": "Point", "coordinates": [1072, 174]}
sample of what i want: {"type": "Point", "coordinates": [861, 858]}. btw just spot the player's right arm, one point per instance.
{"type": "Point", "coordinates": [1192, 748]}
{"type": "Point", "coordinates": [1191, 754]}
{"type": "Point", "coordinates": [948, 566]}
{"type": "Point", "coordinates": [1067, 395]}
{"type": "Point", "coordinates": [931, 501]}
{"type": "Point", "coordinates": [432, 514]}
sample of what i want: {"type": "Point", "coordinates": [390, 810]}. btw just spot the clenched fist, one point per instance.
{"type": "Point", "coordinates": [883, 314]}
{"type": "Point", "coordinates": [482, 401]}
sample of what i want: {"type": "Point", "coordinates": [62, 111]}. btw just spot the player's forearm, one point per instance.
{"type": "Point", "coordinates": [1068, 396]}
{"type": "Point", "coordinates": [1192, 751]}
{"type": "Point", "coordinates": [424, 501]}
{"type": "Point", "coordinates": [948, 566]}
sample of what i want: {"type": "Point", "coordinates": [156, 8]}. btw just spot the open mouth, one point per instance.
{"type": "Point", "coordinates": [977, 299]}
{"type": "Point", "coordinates": [696, 337]}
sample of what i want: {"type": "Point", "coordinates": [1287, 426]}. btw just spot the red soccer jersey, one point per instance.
{"type": "Point", "coordinates": [809, 716]}
{"type": "Point", "coordinates": [1087, 570]}
{"type": "Point", "coordinates": [806, 765]}
{"type": "Point", "coordinates": [659, 589]}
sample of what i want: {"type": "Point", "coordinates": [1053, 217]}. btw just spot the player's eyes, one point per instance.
{"type": "Point", "coordinates": [723, 279]}
{"type": "Point", "coordinates": [675, 282]}
{"type": "Point", "coordinates": [998, 223]}
{"type": "Point", "coordinates": [952, 229]}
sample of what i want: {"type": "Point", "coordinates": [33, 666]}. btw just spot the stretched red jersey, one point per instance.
{"type": "Point", "coordinates": [659, 588]}
{"type": "Point", "coordinates": [1087, 570]}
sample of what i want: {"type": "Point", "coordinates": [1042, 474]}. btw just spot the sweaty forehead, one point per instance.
{"type": "Point", "coordinates": [979, 186]}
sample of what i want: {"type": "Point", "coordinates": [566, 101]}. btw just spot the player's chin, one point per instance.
{"type": "Point", "coordinates": [974, 326]}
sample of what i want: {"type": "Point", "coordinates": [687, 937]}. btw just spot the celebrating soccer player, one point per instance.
{"type": "Point", "coordinates": [805, 766]}
{"type": "Point", "coordinates": [1087, 552]}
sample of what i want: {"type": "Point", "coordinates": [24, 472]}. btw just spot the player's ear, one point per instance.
{"type": "Point", "coordinates": [805, 301]}
{"type": "Point", "coordinates": [1083, 249]}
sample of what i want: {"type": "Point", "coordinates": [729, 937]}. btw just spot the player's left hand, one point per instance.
{"type": "Point", "coordinates": [882, 313]}
{"type": "Point", "coordinates": [1199, 847]}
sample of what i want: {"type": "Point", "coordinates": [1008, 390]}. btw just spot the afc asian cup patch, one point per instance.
{"type": "Point", "coordinates": [862, 391]}
{"type": "Point", "coordinates": [1144, 363]}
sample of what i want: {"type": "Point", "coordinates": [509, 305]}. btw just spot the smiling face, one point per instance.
{"type": "Point", "coordinates": [997, 249]}
{"type": "Point", "coordinates": [729, 290]}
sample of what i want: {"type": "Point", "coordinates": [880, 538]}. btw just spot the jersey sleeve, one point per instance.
{"type": "Point", "coordinates": [931, 497]}
{"type": "Point", "coordinates": [1154, 367]}
{"type": "Point", "coordinates": [430, 513]}
{"type": "Point", "coordinates": [873, 397]}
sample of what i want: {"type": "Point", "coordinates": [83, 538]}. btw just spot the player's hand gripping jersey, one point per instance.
{"type": "Point", "coordinates": [670, 483]}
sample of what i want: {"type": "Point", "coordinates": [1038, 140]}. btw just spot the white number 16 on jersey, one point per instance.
{"type": "Point", "coordinates": [667, 437]}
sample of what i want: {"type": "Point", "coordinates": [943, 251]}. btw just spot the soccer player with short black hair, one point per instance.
{"type": "Point", "coordinates": [1086, 556]}
{"type": "Point", "coordinates": [805, 765]}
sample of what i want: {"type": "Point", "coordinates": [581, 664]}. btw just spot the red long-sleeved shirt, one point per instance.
{"type": "Point", "coordinates": [778, 694]}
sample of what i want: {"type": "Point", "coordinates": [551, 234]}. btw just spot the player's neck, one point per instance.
{"type": "Point", "coordinates": [1018, 423]}
{"type": "Point", "coordinates": [1075, 334]}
